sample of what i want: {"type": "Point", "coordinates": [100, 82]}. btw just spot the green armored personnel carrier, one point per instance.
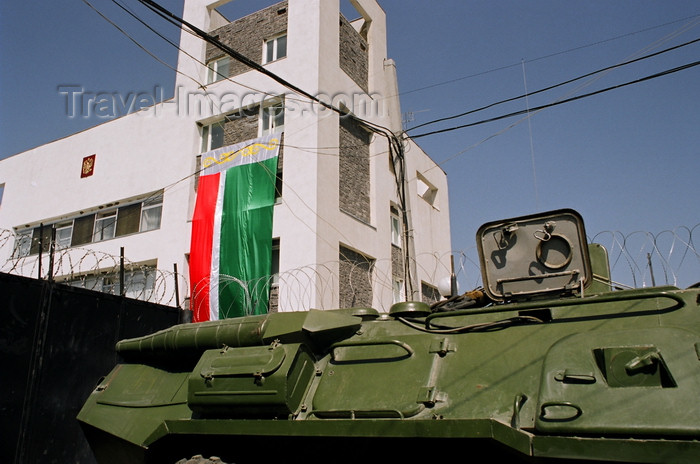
{"type": "Point", "coordinates": [546, 363]}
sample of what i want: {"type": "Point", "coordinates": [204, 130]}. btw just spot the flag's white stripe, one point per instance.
{"type": "Point", "coordinates": [248, 152]}
{"type": "Point", "coordinates": [215, 250]}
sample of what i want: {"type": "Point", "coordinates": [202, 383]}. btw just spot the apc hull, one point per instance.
{"type": "Point", "coordinates": [563, 388]}
{"type": "Point", "coordinates": [546, 364]}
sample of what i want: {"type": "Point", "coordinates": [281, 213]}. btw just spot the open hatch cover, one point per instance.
{"type": "Point", "coordinates": [541, 254]}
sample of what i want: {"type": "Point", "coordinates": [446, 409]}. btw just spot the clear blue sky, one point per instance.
{"type": "Point", "coordinates": [627, 160]}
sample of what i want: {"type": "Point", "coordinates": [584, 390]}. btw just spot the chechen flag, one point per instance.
{"type": "Point", "coordinates": [231, 247]}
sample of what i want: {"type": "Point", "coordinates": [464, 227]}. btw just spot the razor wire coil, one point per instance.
{"type": "Point", "coordinates": [638, 259]}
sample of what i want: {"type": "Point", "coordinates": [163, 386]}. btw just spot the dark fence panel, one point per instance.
{"type": "Point", "coordinates": [56, 342]}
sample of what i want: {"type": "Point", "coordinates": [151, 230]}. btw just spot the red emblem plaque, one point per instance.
{"type": "Point", "coordinates": [88, 168]}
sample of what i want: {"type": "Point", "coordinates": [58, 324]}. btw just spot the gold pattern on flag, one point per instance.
{"type": "Point", "coordinates": [249, 150]}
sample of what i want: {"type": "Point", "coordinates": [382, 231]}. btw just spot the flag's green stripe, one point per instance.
{"type": "Point", "coordinates": [246, 237]}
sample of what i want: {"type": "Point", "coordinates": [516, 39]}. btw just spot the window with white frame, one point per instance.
{"type": "Point", "coordinates": [105, 226]}
{"type": "Point", "coordinates": [64, 234]}
{"type": "Point", "coordinates": [138, 283]}
{"type": "Point", "coordinates": [272, 117]}
{"type": "Point", "coordinates": [109, 284]}
{"type": "Point", "coordinates": [275, 48]}
{"type": "Point", "coordinates": [151, 212]}
{"type": "Point", "coordinates": [23, 244]}
{"type": "Point", "coordinates": [395, 227]}
{"type": "Point", "coordinates": [131, 218]}
{"type": "Point", "coordinates": [397, 291]}
{"type": "Point", "coordinates": [218, 69]}
{"type": "Point", "coordinates": [213, 136]}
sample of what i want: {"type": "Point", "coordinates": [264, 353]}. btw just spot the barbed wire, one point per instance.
{"type": "Point", "coordinates": [638, 259]}
{"type": "Point", "coordinates": [643, 259]}
{"type": "Point", "coordinates": [95, 270]}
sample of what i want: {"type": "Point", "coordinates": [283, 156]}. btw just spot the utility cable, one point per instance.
{"type": "Point", "coordinates": [235, 54]}
{"type": "Point", "coordinates": [163, 12]}
{"type": "Point", "coordinates": [501, 68]}
{"type": "Point", "coordinates": [545, 89]}
{"type": "Point", "coordinates": [157, 193]}
{"type": "Point", "coordinates": [538, 108]}
{"type": "Point", "coordinates": [177, 47]}
{"type": "Point", "coordinates": [393, 140]}
{"type": "Point", "coordinates": [529, 115]}
{"type": "Point", "coordinates": [137, 43]}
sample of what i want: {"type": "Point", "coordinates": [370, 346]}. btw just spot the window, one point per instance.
{"type": "Point", "coordinates": [275, 48]}
{"type": "Point", "coordinates": [151, 212]}
{"type": "Point", "coordinates": [252, 121]}
{"type": "Point", "coordinates": [272, 118]}
{"type": "Point", "coordinates": [110, 284]}
{"type": "Point", "coordinates": [275, 264]}
{"type": "Point", "coordinates": [273, 302]}
{"type": "Point", "coordinates": [128, 219]}
{"type": "Point", "coordinates": [213, 136]}
{"type": "Point", "coordinates": [138, 283]}
{"type": "Point", "coordinates": [218, 69]}
{"type": "Point", "coordinates": [23, 244]}
{"type": "Point", "coordinates": [279, 182]}
{"type": "Point", "coordinates": [426, 190]}
{"type": "Point", "coordinates": [41, 239]}
{"type": "Point", "coordinates": [132, 218]}
{"type": "Point", "coordinates": [64, 234]}
{"type": "Point", "coordinates": [395, 227]}
{"type": "Point", "coordinates": [105, 226]}
{"type": "Point", "coordinates": [397, 290]}
{"type": "Point", "coordinates": [83, 228]}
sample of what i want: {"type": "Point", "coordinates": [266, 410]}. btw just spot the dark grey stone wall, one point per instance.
{"type": "Point", "coordinates": [430, 293]}
{"type": "Point", "coordinates": [353, 54]}
{"type": "Point", "coordinates": [274, 303]}
{"type": "Point", "coordinates": [397, 264]}
{"type": "Point", "coordinates": [246, 35]}
{"type": "Point", "coordinates": [354, 176]}
{"type": "Point", "coordinates": [355, 279]}
{"type": "Point", "coordinates": [243, 125]}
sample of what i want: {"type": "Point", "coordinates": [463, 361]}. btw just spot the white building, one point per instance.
{"type": "Point", "coordinates": [342, 234]}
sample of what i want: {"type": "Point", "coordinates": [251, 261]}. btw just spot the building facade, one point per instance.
{"type": "Point", "coordinates": [357, 221]}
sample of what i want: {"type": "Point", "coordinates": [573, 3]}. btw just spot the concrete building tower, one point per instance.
{"type": "Point", "coordinates": [357, 222]}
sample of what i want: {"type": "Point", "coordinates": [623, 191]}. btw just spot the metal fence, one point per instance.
{"type": "Point", "coordinates": [638, 259]}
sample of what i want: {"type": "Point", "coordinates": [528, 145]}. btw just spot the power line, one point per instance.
{"type": "Point", "coordinates": [197, 82]}
{"type": "Point", "coordinates": [538, 108]}
{"type": "Point", "coordinates": [395, 144]}
{"type": "Point", "coordinates": [136, 42]}
{"type": "Point", "coordinates": [545, 89]}
{"type": "Point", "coordinates": [544, 57]}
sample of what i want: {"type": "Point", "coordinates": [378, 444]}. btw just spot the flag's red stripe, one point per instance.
{"type": "Point", "coordinates": [201, 246]}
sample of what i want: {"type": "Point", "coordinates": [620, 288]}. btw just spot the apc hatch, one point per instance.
{"type": "Point", "coordinates": [542, 254]}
